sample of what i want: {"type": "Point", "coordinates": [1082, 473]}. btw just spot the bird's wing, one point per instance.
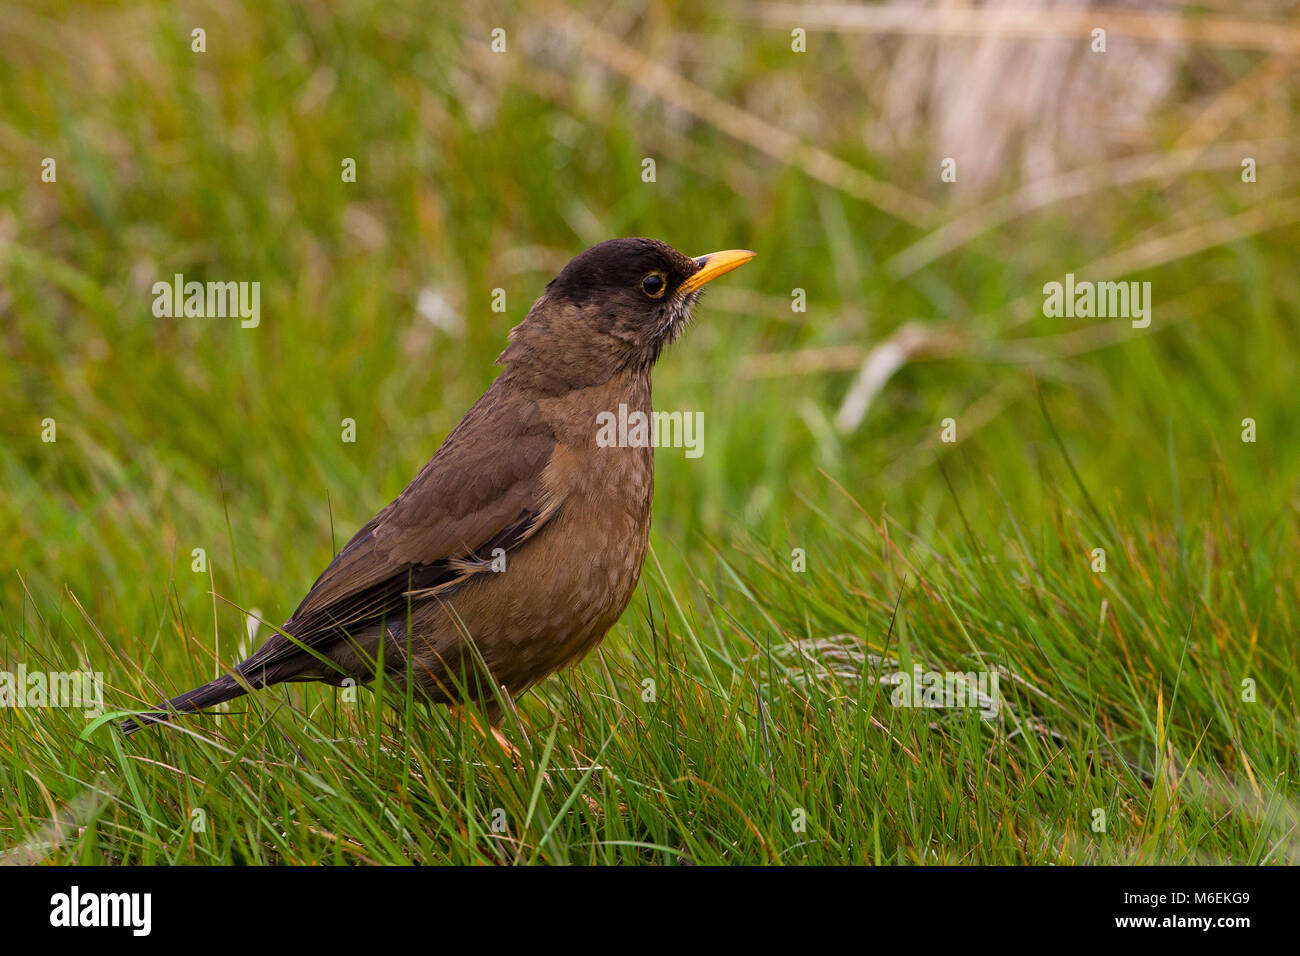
{"type": "Point", "coordinates": [483, 489]}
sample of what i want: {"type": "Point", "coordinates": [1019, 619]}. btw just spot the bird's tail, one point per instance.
{"type": "Point", "coordinates": [214, 692]}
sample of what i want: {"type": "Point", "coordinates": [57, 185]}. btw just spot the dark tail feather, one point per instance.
{"type": "Point", "coordinates": [214, 692]}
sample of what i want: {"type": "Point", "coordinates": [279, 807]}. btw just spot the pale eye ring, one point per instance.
{"type": "Point", "coordinates": [654, 284]}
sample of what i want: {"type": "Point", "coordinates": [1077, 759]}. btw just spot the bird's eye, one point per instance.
{"type": "Point", "coordinates": [654, 284]}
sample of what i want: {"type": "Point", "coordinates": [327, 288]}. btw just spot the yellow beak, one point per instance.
{"type": "Point", "coordinates": [714, 265]}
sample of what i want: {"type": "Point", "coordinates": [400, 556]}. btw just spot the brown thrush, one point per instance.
{"type": "Point", "coordinates": [517, 547]}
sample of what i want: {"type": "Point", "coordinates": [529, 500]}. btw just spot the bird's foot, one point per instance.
{"type": "Point", "coordinates": [511, 750]}
{"type": "Point", "coordinates": [493, 731]}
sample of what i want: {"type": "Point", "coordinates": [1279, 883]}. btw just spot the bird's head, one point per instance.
{"type": "Point", "coordinates": [614, 307]}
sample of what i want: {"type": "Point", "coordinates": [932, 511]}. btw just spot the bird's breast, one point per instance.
{"type": "Point", "coordinates": [583, 565]}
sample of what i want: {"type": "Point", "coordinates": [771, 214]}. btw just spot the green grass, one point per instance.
{"type": "Point", "coordinates": [1121, 691]}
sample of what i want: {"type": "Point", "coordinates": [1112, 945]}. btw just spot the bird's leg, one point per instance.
{"type": "Point", "coordinates": [515, 757]}
{"type": "Point", "coordinates": [495, 729]}
{"type": "Point", "coordinates": [514, 711]}
{"type": "Point", "coordinates": [497, 716]}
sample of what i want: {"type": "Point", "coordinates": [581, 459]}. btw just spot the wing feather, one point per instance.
{"type": "Point", "coordinates": [483, 489]}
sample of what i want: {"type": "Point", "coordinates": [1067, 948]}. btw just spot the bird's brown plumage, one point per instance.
{"type": "Point", "coordinates": [521, 481]}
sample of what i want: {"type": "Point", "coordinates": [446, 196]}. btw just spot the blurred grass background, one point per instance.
{"type": "Point", "coordinates": [479, 170]}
